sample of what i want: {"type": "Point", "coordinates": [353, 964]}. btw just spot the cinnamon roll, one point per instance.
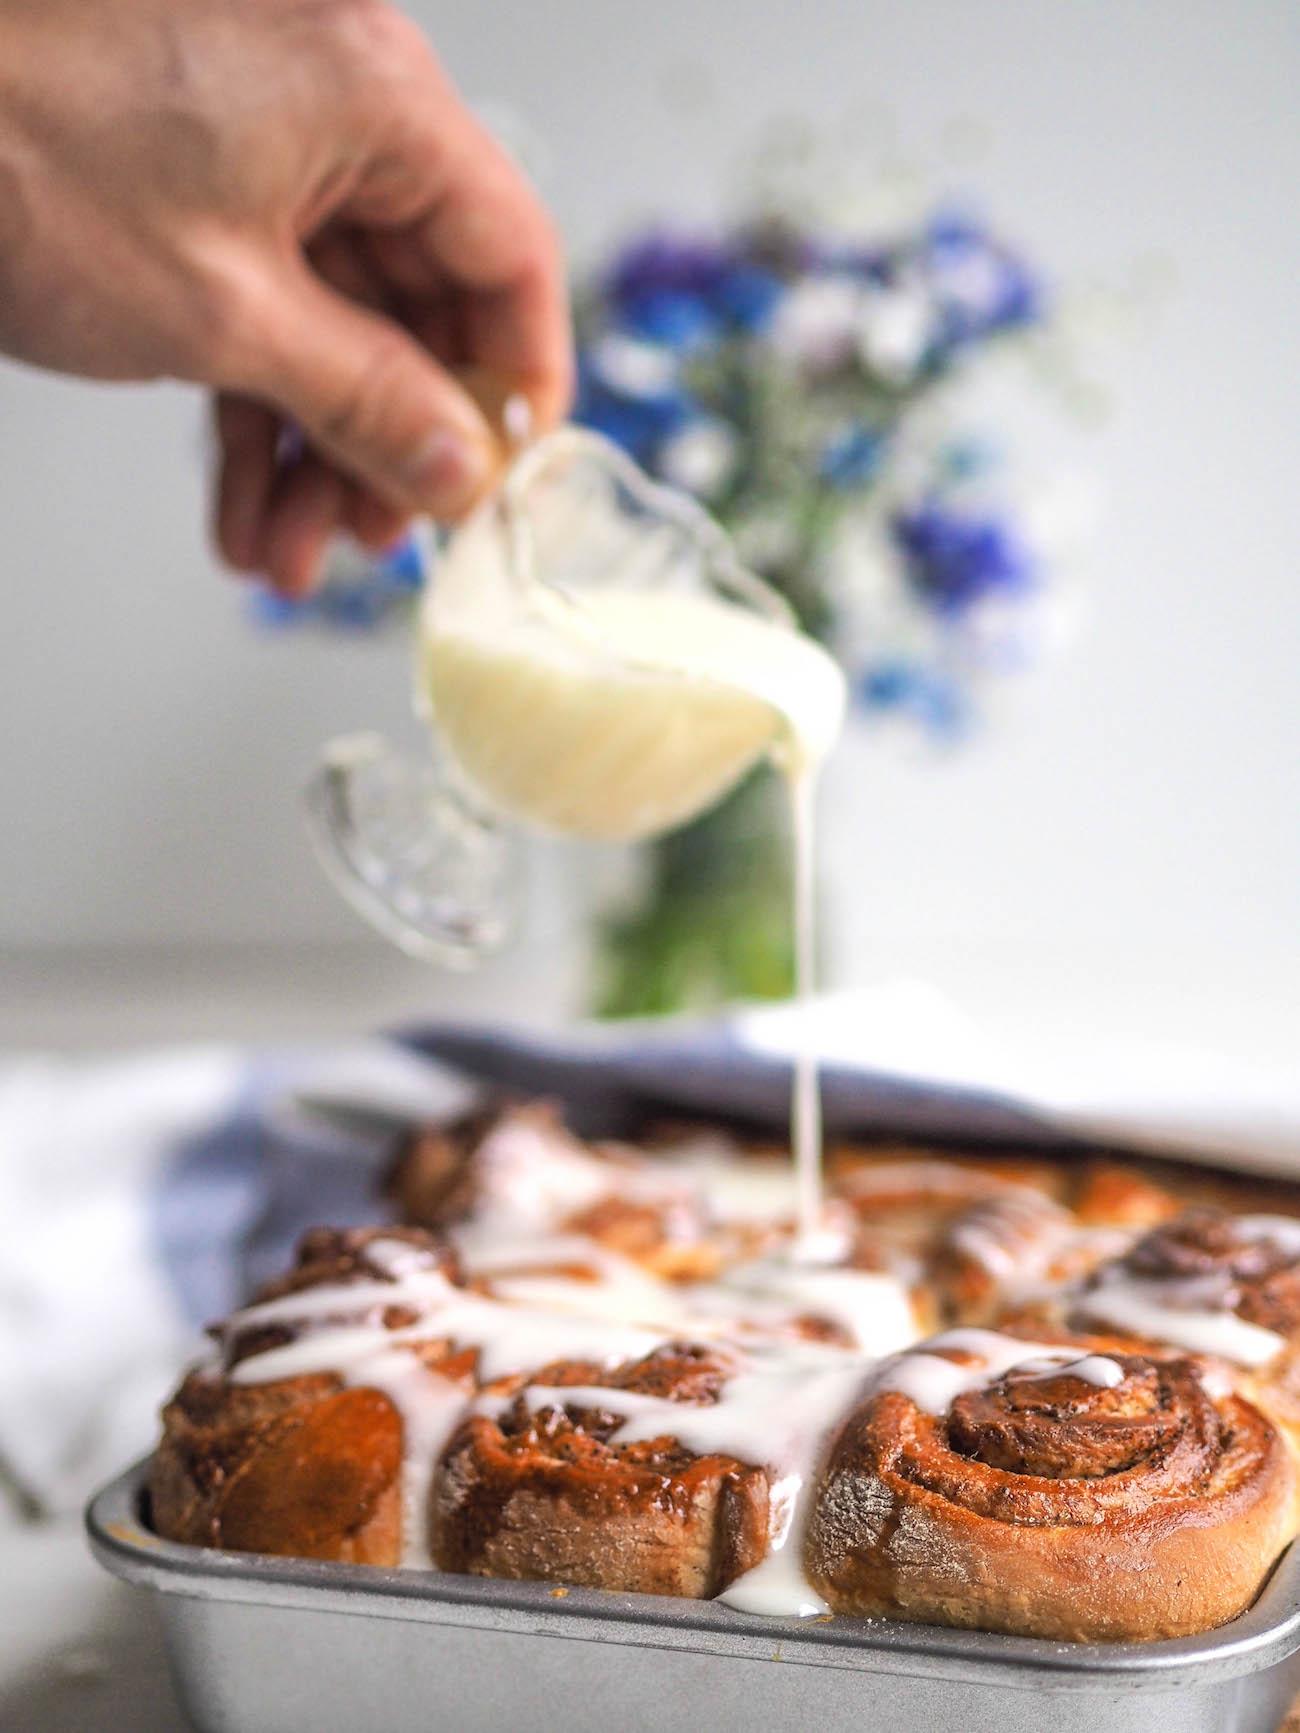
{"type": "Point", "coordinates": [982, 1230]}
{"type": "Point", "coordinates": [1215, 1284]}
{"type": "Point", "coordinates": [986, 1482]}
{"type": "Point", "coordinates": [516, 1172]}
{"type": "Point", "coordinates": [377, 1407]}
{"type": "Point", "coordinates": [303, 1465]}
{"type": "Point", "coordinates": [605, 1368]}
{"type": "Point", "coordinates": [543, 1491]}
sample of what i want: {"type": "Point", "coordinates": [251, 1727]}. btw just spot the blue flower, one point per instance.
{"type": "Point", "coordinates": [625, 422]}
{"type": "Point", "coordinates": [403, 564]}
{"type": "Point", "coordinates": [672, 317]}
{"type": "Point", "coordinates": [358, 594]}
{"type": "Point", "coordinates": [662, 262]}
{"type": "Point", "coordinates": [359, 607]}
{"type": "Point", "coordinates": [980, 285]}
{"type": "Point", "coordinates": [953, 559]}
{"type": "Point", "coordinates": [907, 688]}
{"type": "Point", "coordinates": [270, 608]}
{"type": "Point", "coordinates": [638, 420]}
{"type": "Point", "coordinates": [747, 295]}
{"type": "Point", "coordinates": [682, 291]}
{"type": "Point", "coordinates": [354, 607]}
{"type": "Point", "coordinates": [852, 456]}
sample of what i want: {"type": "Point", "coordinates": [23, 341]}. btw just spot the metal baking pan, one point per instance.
{"type": "Point", "coordinates": [269, 1645]}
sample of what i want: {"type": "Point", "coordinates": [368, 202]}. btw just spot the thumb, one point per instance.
{"type": "Point", "coordinates": [373, 400]}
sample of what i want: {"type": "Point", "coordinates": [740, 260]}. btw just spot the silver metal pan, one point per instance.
{"type": "Point", "coordinates": [265, 1645]}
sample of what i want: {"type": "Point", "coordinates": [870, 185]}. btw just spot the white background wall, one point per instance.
{"type": "Point", "coordinates": [1142, 817]}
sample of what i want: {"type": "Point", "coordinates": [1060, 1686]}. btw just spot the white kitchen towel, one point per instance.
{"type": "Point", "coordinates": [140, 1198]}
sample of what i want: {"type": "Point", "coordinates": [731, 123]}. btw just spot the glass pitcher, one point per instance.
{"type": "Point", "coordinates": [591, 659]}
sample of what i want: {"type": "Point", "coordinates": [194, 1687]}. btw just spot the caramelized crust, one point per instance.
{"type": "Point", "coordinates": [303, 1466]}
{"type": "Point", "coordinates": [432, 1179]}
{"type": "Point", "coordinates": [305, 1469]}
{"type": "Point", "coordinates": [1048, 1506]}
{"type": "Point", "coordinates": [541, 1493]}
{"type": "Point", "coordinates": [1107, 1195]}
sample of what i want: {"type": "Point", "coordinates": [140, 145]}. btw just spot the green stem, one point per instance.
{"type": "Point", "coordinates": [712, 922]}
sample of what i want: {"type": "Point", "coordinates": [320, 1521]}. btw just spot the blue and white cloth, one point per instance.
{"type": "Point", "coordinates": [141, 1197]}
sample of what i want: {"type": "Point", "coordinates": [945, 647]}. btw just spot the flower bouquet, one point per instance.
{"type": "Point", "coordinates": [799, 387]}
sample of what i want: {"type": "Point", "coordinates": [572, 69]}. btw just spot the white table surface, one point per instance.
{"type": "Point", "coordinates": [79, 1652]}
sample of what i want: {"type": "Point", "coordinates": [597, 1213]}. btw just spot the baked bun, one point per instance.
{"type": "Point", "coordinates": [1070, 1495]}
{"type": "Point", "coordinates": [595, 1365]}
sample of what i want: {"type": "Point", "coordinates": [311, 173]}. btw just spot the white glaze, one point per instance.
{"type": "Point", "coordinates": [430, 1408]}
{"type": "Point", "coordinates": [1013, 1236]}
{"type": "Point", "coordinates": [1216, 1379]}
{"type": "Point", "coordinates": [1097, 1369]}
{"type": "Point", "coordinates": [493, 1255]}
{"type": "Point", "coordinates": [933, 1381]}
{"type": "Point", "coordinates": [623, 712]}
{"type": "Point", "coordinates": [1152, 1308]}
{"type": "Point", "coordinates": [771, 1294]}
{"type": "Point", "coordinates": [781, 1403]}
{"type": "Point", "coordinates": [806, 1105]}
{"type": "Point", "coordinates": [753, 1191]}
{"type": "Point", "coordinates": [531, 1176]}
{"type": "Point", "coordinates": [780, 1410]}
{"type": "Point", "coordinates": [508, 1338]}
{"type": "Point", "coordinates": [872, 1308]}
{"type": "Point", "coordinates": [1281, 1231]}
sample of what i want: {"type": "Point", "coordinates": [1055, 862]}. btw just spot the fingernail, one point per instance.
{"type": "Point", "coordinates": [448, 473]}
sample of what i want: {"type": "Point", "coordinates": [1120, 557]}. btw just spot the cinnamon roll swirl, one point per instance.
{"type": "Point", "coordinates": [985, 1482]}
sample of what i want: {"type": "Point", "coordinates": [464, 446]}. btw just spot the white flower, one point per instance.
{"type": "Point", "coordinates": [634, 368]}
{"type": "Point", "coordinates": [894, 332]}
{"type": "Point", "coordinates": [700, 458]}
{"type": "Point", "coordinates": [816, 324]}
{"type": "Point", "coordinates": [974, 282]}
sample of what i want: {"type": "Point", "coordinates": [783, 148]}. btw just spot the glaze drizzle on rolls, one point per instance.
{"type": "Point", "coordinates": [1214, 1284]}
{"type": "Point", "coordinates": [615, 1370]}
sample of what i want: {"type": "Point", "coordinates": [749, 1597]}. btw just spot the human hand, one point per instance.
{"type": "Point", "coordinates": [284, 200]}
